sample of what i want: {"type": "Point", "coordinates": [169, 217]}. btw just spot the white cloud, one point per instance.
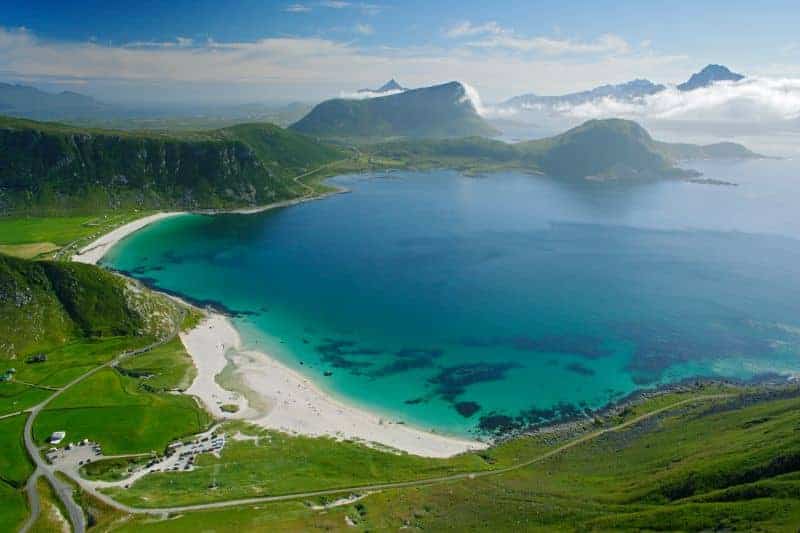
{"type": "Point", "coordinates": [608, 43]}
{"type": "Point", "coordinates": [364, 95]}
{"type": "Point", "coordinates": [494, 36]}
{"type": "Point", "coordinates": [308, 67]}
{"type": "Point", "coordinates": [179, 42]}
{"type": "Point", "coordinates": [472, 96]}
{"type": "Point", "coordinates": [367, 9]}
{"type": "Point", "coordinates": [749, 100]}
{"type": "Point", "coordinates": [364, 29]}
{"type": "Point", "coordinates": [297, 8]}
{"type": "Point", "coordinates": [467, 29]}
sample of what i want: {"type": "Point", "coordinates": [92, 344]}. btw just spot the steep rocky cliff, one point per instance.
{"type": "Point", "coordinates": [52, 167]}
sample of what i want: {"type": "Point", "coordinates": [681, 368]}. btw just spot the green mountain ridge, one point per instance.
{"type": "Point", "coordinates": [53, 168]}
{"type": "Point", "coordinates": [597, 149]}
{"type": "Point", "coordinates": [441, 111]}
{"type": "Point", "coordinates": [59, 167]}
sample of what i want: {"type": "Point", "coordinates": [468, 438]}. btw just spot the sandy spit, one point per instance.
{"type": "Point", "coordinates": [287, 401]}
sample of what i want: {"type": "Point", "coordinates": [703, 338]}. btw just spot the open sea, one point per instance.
{"type": "Point", "coordinates": [477, 305]}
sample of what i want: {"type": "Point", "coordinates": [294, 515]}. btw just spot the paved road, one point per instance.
{"type": "Point", "coordinates": [43, 468]}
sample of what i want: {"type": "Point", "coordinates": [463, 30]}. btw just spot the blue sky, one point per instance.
{"type": "Point", "coordinates": [260, 50]}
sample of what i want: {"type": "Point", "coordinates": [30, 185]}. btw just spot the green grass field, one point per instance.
{"type": "Point", "coordinates": [16, 397]}
{"type": "Point", "coordinates": [32, 237]}
{"type": "Point", "coordinates": [167, 367]}
{"type": "Point", "coordinates": [57, 230]}
{"type": "Point", "coordinates": [70, 360]}
{"type": "Point", "coordinates": [722, 465]}
{"type": "Point", "coordinates": [15, 467]}
{"type": "Point", "coordinates": [113, 410]}
{"type": "Point", "coordinates": [637, 478]}
{"type": "Point", "coordinates": [13, 508]}
{"type": "Point", "coordinates": [278, 464]}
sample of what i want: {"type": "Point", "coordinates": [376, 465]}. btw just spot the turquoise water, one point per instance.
{"type": "Point", "coordinates": [475, 305]}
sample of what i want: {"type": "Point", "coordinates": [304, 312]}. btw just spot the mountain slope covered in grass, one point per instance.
{"type": "Point", "coordinates": [45, 304]}
{"type": "Point", "coordinates": [598, 149]}
{"type": "Point", "coordinates": [435, 112]}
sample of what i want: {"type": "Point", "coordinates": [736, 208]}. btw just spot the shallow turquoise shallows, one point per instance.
{"type": "Point", "coordinates": [474, 305]}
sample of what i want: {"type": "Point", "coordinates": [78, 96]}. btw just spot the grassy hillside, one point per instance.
{"type": "Point", "coordinates": [45, 304]}
{"type": "Point", "coordinates": [49, 167]}
{"type": "Point", "coordinates": [73, 317]}
{"type": "Point", "coordinates": [440, 111]}
{"type": "Point", "coordinates": [602, 149]}
{"type": "Point", "coordinates": [734, 462]}
{"type": "Point", "coordinates": [597, 149]}
{"type": "Point", "coordinates": [724, 150]}
{"type": "Point", "coordinates": [61, 320]}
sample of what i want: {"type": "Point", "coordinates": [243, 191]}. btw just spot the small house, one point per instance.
{"type": "Point", "coordinates": [57, 437]}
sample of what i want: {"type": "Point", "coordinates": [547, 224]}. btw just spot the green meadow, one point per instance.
{"type": "Point", "coordinates": [39, 237]}
{"type": "Point", "coordinates": [15, 467]}
{"type": "Point", "coordinates": [270, 463]}
{"type": "Point", "coordinates": [13, 507]}
{"type": "Point", "coordinates": [164, 368]}
{"type": "Point", "coordinates": [115, 411]}
{"type": "Point", "coordinates": [721, 465]}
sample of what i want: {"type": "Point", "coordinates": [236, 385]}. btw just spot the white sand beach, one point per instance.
{"type": "Point", "coordinates": [272, 395]}
{"type": "Point", "coordinates": [208, 343]}
{"type": "Point", "coordinates": [95, 251]}
{"type": "Point", "coordinates": [290, 402]}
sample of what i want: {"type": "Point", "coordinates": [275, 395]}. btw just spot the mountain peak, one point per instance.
{"type": "Point", "coordinates": [445, 110]}
{"type": "Point", "coordinates": [389, 86]}
{"type": "Point", "coordinates": [636, 88]}
{"type": "Point", "coordinates": [709, 75]}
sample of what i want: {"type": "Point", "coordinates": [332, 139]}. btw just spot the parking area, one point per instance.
{"type": "Point", "coordinates": [180, 456]}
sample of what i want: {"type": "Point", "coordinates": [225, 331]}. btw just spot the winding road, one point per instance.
{"type": "Point", "coordinates": [43, 468]}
